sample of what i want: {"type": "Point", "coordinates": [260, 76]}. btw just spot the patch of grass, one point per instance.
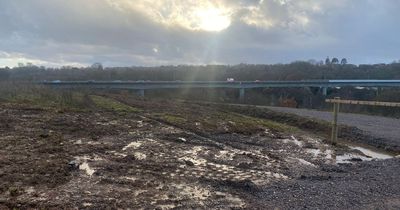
{"type": "Point", "coordinates": [218, 121]}
{"type": "Point", "coordinates": [169, 118]}
{"type": "Point", "coordinates": [111, 104]}
{"type": "Point", "coordinates": [269, 124]}
{"type": "Point", "coordinates": [209, 123]}
{"type": "Point", "coordinates": [249, 125]}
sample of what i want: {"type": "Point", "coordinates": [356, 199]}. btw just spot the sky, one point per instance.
{"type": "Point", "coordinates": [197, 32]}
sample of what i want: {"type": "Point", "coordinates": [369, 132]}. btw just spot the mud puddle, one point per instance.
{"type": "Point", "coordinates": [361, 153]}
{"type": "Point", "coordinates": [372, 154]}
{"type": "Point", "coordinates": [318, 150]}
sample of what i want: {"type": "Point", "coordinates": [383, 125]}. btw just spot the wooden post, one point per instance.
{"type": "Point", "coordinates": [335, 127]}
{"type": "Point", "coordinates": [336, 103]}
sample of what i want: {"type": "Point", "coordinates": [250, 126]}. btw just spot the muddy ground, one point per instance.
{"type": "Point", "coordinates": [166, 155]}
{"type": "Point", "coordinates": [380, 133]}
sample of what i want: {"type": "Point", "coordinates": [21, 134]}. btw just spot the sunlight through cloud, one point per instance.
{"type": "Point", "coordinates": [213, 19]}
{"type": "Point", "coordinates": [202, 15]}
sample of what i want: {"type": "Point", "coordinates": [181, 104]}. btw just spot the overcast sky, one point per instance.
{"type": "Point", "coordinates": [163, 32]}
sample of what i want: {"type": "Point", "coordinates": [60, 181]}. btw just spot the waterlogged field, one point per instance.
{"type": "Point", "coordinates": [114, 151]}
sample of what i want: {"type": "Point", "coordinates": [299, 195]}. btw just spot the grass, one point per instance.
{"type": "Point", "coordinates": [58, 99]}
{"type": "Point", "coordinates": [211, 119]}
{"type": "Point", "coordinates": [248, 122]}
{"type": "Point", "coordinates": [111, 104]}
{"type": "Point", "coordinates": [42, 97]}
{"type": "Point", "coordinates": [170, 118]}
{"type": "Point", "coordinates": [219, 121]}
{"type": "Point", "coordinates": [248, 125]}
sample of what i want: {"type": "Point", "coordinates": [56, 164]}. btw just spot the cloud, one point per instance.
{"type": "Point", "coordinates": [192, 15]}
{"type": "Point", "coordinates": [152, 32]}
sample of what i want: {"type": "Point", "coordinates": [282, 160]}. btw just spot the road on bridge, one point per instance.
{"type": "Point", "coordinates": [379, 127]}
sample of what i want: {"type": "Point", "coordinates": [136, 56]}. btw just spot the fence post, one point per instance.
{"type": "Point", "coordinates": [335, 127]}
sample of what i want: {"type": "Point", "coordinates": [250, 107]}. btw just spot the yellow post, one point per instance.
{"type": "Point", "coordinates": [335, 128]}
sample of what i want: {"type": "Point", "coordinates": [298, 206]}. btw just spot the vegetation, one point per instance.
{"type": "Point", "coordinates": [296, 97]}
{"type": "Point", "coordinates": [220, 121]}
{"type": "Point", "coordinates": [111, 105]}
{"type": "Point", "coordinates": [42, 97]}
{"type": "Point", "coordinates": [293, 71]}
{"type": "Point", "coordinates": [47, 98]}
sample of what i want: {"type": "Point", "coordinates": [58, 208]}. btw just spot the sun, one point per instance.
{"type": "Point", "coordinates": [213, 19]}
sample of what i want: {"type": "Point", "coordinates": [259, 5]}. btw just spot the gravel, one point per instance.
{"type": "Point", "coordinates": [370, 185]}
{"type": "Point", "coordinates": [380, 127]}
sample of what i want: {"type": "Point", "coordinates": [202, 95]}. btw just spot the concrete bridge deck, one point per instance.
{"type": "Point", "coordinates": [141, 86]}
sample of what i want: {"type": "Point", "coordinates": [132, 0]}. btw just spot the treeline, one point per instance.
{"type": "Point", "coordinates": [294, 97]}
{"type": "Point", "coordinates": [243, 72]}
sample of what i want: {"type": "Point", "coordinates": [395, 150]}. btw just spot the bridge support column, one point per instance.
{"type": "Point", "coordinates": [325, 91]}
{"type": "Point", "coordinates": [140, 93]}
{"type": "Point", "coordinates": [241, 95]}
{"type": "Point", "coordinates": [378, 91]}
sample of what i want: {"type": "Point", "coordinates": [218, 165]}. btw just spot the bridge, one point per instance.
{"type": "Point", "coordinates": [141, 86]}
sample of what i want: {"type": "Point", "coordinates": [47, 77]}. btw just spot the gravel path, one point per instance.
{"type": "Point", "coordinates": [379, 127]}
{"type": "Point", "coordinates": [368, 185]}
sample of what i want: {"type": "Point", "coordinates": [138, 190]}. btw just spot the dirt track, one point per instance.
{"type": "Point", "coordinates": [383, 128]}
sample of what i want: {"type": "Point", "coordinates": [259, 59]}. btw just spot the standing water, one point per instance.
{"type": "Point", "coordinates": [368, 155]}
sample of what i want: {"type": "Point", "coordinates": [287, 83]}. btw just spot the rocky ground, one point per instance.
{"type": "Point", "coordinates": [128, 153]}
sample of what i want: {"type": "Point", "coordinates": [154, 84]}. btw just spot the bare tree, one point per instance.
{"type": "Point", "coordinates": [327, 61]}
{"type": "Point", "coordinates": [97, 66]}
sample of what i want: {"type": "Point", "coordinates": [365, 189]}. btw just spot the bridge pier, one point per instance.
{"type": "Point", "coordinates": [242, 95]}
{"type": "Point", "coordinates": [378, 91]}
{"type": "Point", "coordinates": [324, 91]}
{"type": "Point", "coordinates": [140, 93]}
